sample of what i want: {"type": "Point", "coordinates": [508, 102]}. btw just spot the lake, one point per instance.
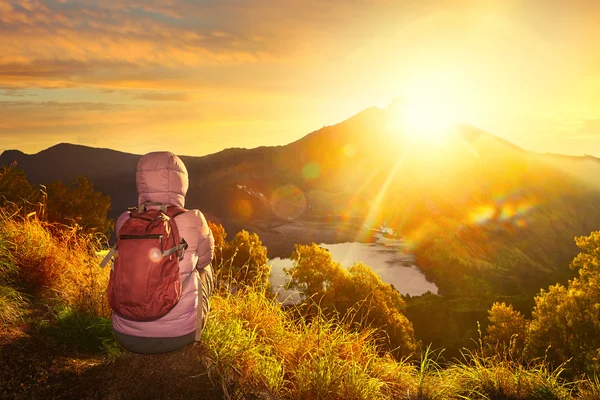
{"type": "Point", "coordinates": [386, 257]}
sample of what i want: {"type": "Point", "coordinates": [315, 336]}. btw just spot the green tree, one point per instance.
{"type": "Point", "coordinates": [78, 203]}
{"type": "Point", "coordinates": [15, 188]}
{"type": "Point", "coordinates": [357, 295]}
{"type": "Point", "coordinates": [566, 320]}
{"type": "Point", "coordinates": [379, 305]}
{"type": "Point", "coordinates": [506, 328]}
{"type": "Point", "coordinates": [314, 273]}
{"type": "Point", "coordinates": [243, 261]}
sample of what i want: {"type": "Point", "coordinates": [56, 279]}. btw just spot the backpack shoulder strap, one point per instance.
{"type": "Point", "coordinates": [173, 211]}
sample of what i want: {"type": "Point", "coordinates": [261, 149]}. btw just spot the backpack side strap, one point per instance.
{"type": "Point", "coordinates": [186, 280]}
{"type": "Point", "coordinates": [113, 250]}
{"type": "Point", "coordinates": [107, 258]}
{"type": "Point", "coordinates": [181, 247]}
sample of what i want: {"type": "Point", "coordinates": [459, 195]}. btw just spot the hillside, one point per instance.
{"type": "Point", "coordinates": [340, 170]}
{"type": "Point", "coordinates": [486, 219]}
{"type": "Point", "coordinates": [56, 340]}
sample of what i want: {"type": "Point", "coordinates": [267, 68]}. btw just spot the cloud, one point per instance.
{"type": "Point", "coordinates": [61, 106]}
{"type": "Point", "coordinates": [63, 43]}
{"type": "Point", "coordinates": [34, 125]}
{"type": "Point", "coordinates": [36, 119]}
{"type": "Point", "coordinates": [16, 93]}
{"type": "Point", "coordinates": [157, 96]}
{"type": "Point", "coordinates": [80, 43]}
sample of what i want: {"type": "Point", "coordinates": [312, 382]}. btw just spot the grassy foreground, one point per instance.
{"type": "Point", "coordinates": [52, 290]}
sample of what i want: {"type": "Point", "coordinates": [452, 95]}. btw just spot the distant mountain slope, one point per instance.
{"type": "Point", "coordinates": [340, 169]}
{"type": "Point", "coordinates": [477, 202]}
{"type": "Point", "coordinates": [111, 172]}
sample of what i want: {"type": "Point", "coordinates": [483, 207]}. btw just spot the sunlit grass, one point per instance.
{"type": "Point", "coordinates": [589, 389]}
{"type": "Point", "coordinates": [55, 262]}
{"type": "Point", "coordinates": [57, 266]}
{"type": "Point", "coordinates": [254, 346]}
{"type": "Point", "coordinates": [13, 305]}
{"type": "Point", "coordinates": [494, 377]}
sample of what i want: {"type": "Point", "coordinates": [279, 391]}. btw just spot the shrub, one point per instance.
{"type": "Point", "coordinates": [241, 262]}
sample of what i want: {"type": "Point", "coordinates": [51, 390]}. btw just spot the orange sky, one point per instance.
{"type": "Point", "coordinates": [195, 77]}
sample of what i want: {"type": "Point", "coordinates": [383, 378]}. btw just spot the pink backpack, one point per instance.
{"type": "Point", "coordinates": [144, 282]}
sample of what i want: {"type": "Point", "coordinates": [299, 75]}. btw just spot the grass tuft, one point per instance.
{"type": "Point", "coordinates": [589, 389]}
{"type": "Point", "coordinates": [73, 326]}
{"type": "Point", "coordinates": [495, 378]}
{"type": "Point", "coordinates": [255, 347]}
{"type": "Point", "coordinates": [13, 305]}
{"type": "Point", "coordinates": [58, 266]}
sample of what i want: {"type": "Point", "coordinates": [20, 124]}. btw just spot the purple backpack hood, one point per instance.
{"type": "Point", "coordinates": [162, 177]}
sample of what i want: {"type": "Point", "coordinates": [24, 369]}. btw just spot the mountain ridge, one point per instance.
{"type": "Point", "coordinates": [485, 219]}
{"type": "Point", "coordinates": [358, 152]}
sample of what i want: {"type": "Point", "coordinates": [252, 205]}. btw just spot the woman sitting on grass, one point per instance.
{"type": "Point", "coordinates": [162, 180]}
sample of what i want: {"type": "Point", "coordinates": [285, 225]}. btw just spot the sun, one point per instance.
{"type": "Point", "coordinates": [430, 106]}
{"type": "Point", "coordinates": [421, 118]}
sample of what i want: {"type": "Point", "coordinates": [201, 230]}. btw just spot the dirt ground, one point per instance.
{"type": "Point", "coordinates": [37, 367]}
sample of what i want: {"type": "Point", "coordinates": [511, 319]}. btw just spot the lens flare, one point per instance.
{"type": "Point", "coordinates": [288, 202]}
{"type": "Point", "coordinates": [242, 209]}
{"type": "Point", "coordinates": [312, 170]}
{"type": "Point", "coordinates": [155, 255]}
{"type": "Point", "coordinates": [511, 208]}
{"type": "Point", "coordinates": [508, 212]}
{"type": "Point", "coordinates": [483, 214]}
{"type": "Point", "coordinates": [521, 223]}
{"type": "Point", "coordinates": [523, 208]}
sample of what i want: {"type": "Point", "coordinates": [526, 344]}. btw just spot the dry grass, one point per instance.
{"type": "Point", "coordinates": [255, 348]}
{"type": "Point", "coordinates": [57, 267]}
{"type": "Point", "coordinates": [497, 378]}
{"type": "Point", "coordinates": [55, 262]}
{"type": "Point", "coordinates": [13, 305]}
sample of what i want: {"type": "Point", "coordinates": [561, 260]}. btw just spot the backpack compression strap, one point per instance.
{"type": "Point", "coordinates": [113, 250]}
{"type": "Point", "coordinates": [182, 246]}
{"type": "Point", "coordinates": [110, 255]}
{"type": "Point", "coordinates": [179, 248]}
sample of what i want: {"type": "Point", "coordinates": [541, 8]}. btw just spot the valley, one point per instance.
{"type": "Point", "coordinates": [485, 220]}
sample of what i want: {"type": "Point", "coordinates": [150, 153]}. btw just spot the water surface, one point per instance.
{"type": "Point", "coordinates": [387, 257]}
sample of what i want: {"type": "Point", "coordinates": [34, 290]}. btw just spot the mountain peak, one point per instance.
{"type": "Point", "coordinates": [68, 147]}
{"type": "Point", "coordinates": [12, 154]}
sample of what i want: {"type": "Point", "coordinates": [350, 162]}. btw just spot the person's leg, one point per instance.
{"type": "Point", "coordinates": [204, 290]}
